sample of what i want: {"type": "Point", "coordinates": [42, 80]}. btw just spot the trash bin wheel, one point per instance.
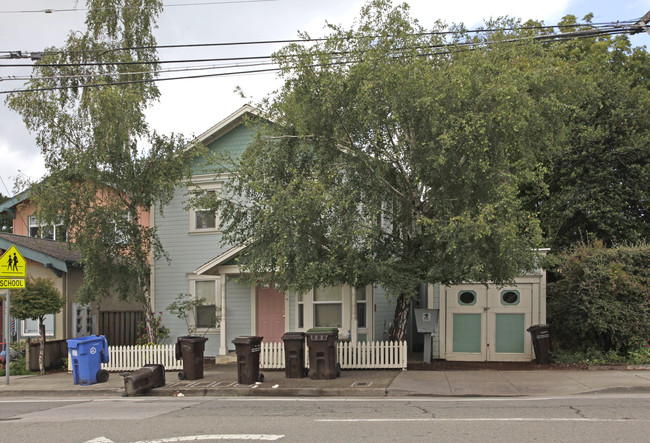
{"type": "Point", "coordinates": [260, 377]}
{"type": "Point", "coordinates": [338, 369]}
{"type": "Point", "coordinates": [102, 376]}
{"type": "Point", "coordinates": [182, 375]}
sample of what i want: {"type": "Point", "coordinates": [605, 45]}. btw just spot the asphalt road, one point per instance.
{"type": "Point", "coordinates": [164, 419]}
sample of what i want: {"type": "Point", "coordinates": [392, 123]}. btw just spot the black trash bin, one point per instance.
{"type": "Point", "coordinates": [140, 381]}
{"type": "Point", "coordinates": [248, 350]}
{"type": "Point", "coordinates": [323, 361]}
{"type": "Point", "coordinates": [190, 349]}
{"type": "Point", "coordinates": [294, 354]}
{"type": "Point", "coordinates": [541, 336]}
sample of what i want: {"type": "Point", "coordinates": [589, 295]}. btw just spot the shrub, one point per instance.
{"type": "Point", "coordinates": [601, 299]}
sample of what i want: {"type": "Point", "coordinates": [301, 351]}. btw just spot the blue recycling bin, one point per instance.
{"type": "Point", "coordinates": [88, 354]}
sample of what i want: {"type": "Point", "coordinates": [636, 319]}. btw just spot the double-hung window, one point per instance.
{"type": "Point", "coordinates": [49, 232]}
{"type": "Point", "coordinates": [328, 307]}
{"type": "Point", "coordinates": [204, 220]}
{"type": "Point", "coordinates": [206, 314]}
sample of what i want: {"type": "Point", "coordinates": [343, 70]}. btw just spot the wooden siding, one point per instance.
{"type": "Point", "coordinates": [383, 314]}
{"type": "Point", "coordinates": [234, 142]}
{"type": "Point", "coordinates": [238, 306]}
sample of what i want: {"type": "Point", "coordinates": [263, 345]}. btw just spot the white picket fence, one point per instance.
{"type": "Point", "coordinates": [360, 355]}
{"type": "Point", "coordinates": [130, 358]}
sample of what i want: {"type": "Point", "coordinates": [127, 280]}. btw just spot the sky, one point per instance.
{"type": "Point", "coordinates": [190, 107]}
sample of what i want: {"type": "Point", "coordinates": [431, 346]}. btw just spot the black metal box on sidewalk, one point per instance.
{"type": "Point", "coordinates": [294, 354]}
{"type": "Point", "coordinates": [323, 360]}
{"type": "Point", "coordinates": [248, 350]}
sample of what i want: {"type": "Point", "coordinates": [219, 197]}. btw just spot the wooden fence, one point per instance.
{"type": "Point", "coordinates": [119, 327]}
{"type": "Point", "coordinates": [360, 355]}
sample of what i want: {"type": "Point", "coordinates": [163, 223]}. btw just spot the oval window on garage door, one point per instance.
{"type": "Point", "coordinates": [510, 298]}
{"type": "Point", "coordinates": [467, 298]}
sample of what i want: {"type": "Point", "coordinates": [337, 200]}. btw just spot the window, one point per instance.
{"type": "Point", "coordinates": [301, 310]}
{"type": "Point", "coordinates": [30, 327]}
{"type": "Point", "coordinates": [467, 298]}
{"type": "Point", "coordinates": [510, 298]}
{"type": "Point", "coordinates": [204, 220]}
{"type": "Point", "coordinates": [362, 308]}
{"type": "Point", "coordinates": [206, 315]}
{"type": "Point", "coordinates": [328, 307]}
{"type": "Point", "coordinates": [49, 232]}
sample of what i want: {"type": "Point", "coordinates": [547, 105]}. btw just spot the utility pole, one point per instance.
{"type": "Point", "coordinates": [641, 25]}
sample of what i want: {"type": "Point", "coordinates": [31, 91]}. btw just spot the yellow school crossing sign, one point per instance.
{"type": "Point", "coordinates": [13, 269]}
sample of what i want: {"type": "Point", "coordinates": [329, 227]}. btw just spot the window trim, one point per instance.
{"type": "Point", "coordinates": [214, 330]}
{"type": "Point", "coordinates": [52, 333]}
{"type": "Point", "coordinates": [327, 302]}
{"type": "Point", "coordinates": [461, 292]}
{"type": "Point", "coordinates": [211, 187]}
{"type": "Point", "coordinates": [504, 292]}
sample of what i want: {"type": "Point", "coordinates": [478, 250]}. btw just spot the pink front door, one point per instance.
{"type": "Point", "coordinates": [270, 314]}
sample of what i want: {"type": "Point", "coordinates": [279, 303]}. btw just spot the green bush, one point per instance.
{"type": "Point", "coordinates": [601, 299]}
{"type": "Point", "coordinates": [18, 367]}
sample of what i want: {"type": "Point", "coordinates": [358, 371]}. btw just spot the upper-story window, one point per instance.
{"type": "Point", "coordinates": [49, 232]}
{"type": "Point", "coordinates": [202, 220]}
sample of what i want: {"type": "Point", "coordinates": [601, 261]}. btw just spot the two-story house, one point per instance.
{"type": "Point", "coordinates": [477, 322]}
{"type": "Point", "coordinates": [48, 255]}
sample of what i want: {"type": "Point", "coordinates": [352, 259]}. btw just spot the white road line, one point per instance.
{"type": "Point", "coordinates": [265, 437]}
{"type": "Point", "coordinates": [516, 419]}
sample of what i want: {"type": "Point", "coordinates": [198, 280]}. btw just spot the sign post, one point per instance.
{"type": "Point", "coordinates": [13, 269]}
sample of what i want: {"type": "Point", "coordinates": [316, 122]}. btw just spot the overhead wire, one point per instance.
{"type": "Point", "coordinates": [471, 45]}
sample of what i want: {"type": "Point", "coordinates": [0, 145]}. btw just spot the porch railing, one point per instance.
{"type": "Point", "coordinates": [360, 355]}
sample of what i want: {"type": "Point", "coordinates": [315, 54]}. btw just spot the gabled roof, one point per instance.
{"type": "Point", "coordinates": [54, 255]}
{"type": "Point", "coordinates": [9, 204]}
{"type": "Point", "coordinates": [220, 260]}
{"type": "Point", "coordinates": [225, 125]}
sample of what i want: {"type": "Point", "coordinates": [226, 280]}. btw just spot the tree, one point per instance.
{"type": "Point", "coordinates": [395, 162]}
{"type": "Point", "coordinates": [37, 299]}
{"type": "Point", "coordinates": [598, 185]}
{"type": "Point", "coordinates": [105, 165]}
{"type": "Point", "coordinates": [601, 299]}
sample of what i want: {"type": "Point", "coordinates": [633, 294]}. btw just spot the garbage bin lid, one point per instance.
{"type": "Point", "coordinates": [323, 331]}
{"type": "Point", "coordinates": [293, 335]}
{"type": "Point", "coordinates": [246, 340]}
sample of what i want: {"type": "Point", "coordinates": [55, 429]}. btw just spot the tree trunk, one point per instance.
{"type": "Point", "coordinates": [149, 321]}
{"type": "Point", "coordinates": [398, 328]}
{"type": "Point", "coordinates": [41, 342]}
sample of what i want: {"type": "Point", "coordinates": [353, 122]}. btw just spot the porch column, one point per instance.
{"type": "Point", "coordinates": [223, 347]}
{"type": "Point", "coordinates": [354, 333]}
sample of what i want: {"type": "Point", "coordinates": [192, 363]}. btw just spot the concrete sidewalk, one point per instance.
{"type": "Point", "coordinates": [221, 381]}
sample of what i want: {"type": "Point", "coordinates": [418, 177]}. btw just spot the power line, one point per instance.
{"type": "Point", "coordinates": [466, 46]}
{"type": "Point", "coordinates": [50, 11]}
{"type": "Point", "coordinates": [604, 25]}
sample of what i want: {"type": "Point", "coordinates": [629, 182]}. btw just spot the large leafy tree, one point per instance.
{"type": "Point", "coordinates": [105, 165]}
{"type": "Point", "coordinates": [598, 186]}
{"type": "Point", "coordinates": [394, 159]}
{"type": "Point", "coordinates": [37, 299]}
